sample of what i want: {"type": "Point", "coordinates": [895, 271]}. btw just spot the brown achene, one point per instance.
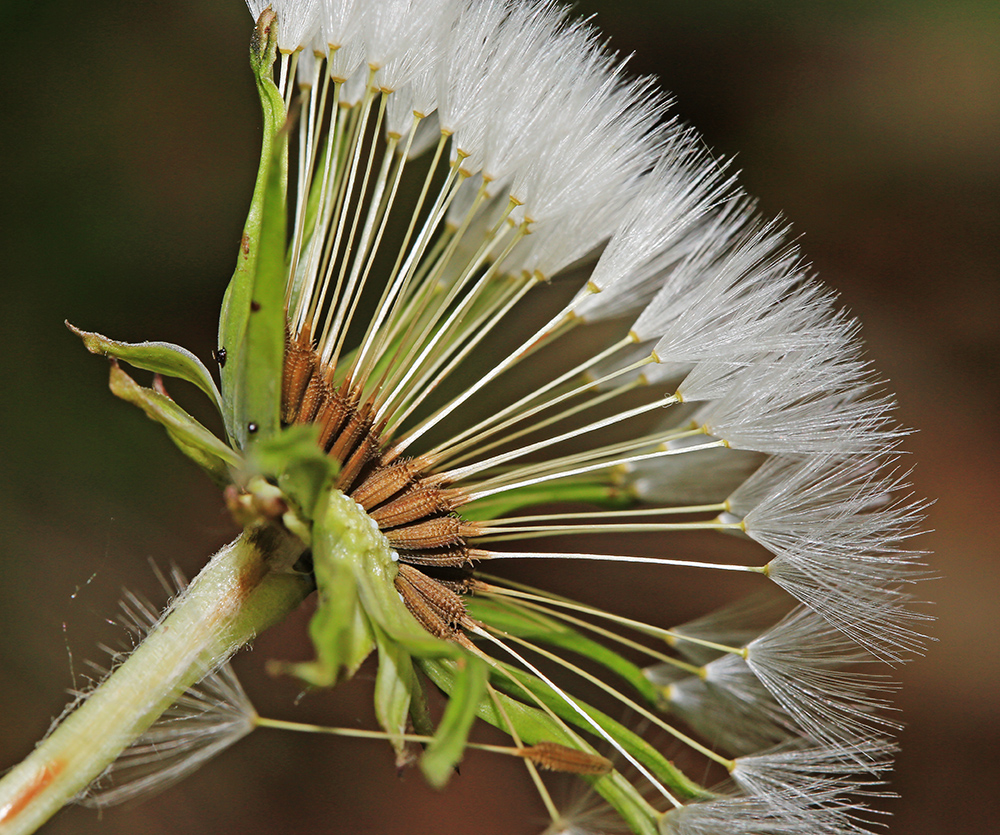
{"type": "Point", "coordinates": [414, 511]}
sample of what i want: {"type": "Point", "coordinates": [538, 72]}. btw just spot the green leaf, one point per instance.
{"type": "Point", "coordinates": [159, 357]}
{"type": "Point", "coordinates": [249, 396]}
{"type": "Point", "coordinates": [513, 619]}
{"type": "Point", "coordinates": [464, 700]}
{"type": "Point", "coordinates": [193, 439]}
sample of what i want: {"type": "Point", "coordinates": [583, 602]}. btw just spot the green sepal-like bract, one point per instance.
{"type": "Point", "coordinates": [295, 461]}
{"type": "Point", "coordinates": [193, 439]}
{"type": "Point", "coordinates": [159, 357]}
{"type": "Point", "coordinates": [361, 610]}
{"type": "Point", "coordinates": [252, 323]}
{"type": "Point", "coordinates": [467, 694]}
{"type": "Point", "coordinates": [533, 725]}
{"type": "Point", "coordinates": [355, 569]}
{"type": "Point", "coordinates": [340, 632]}
{"type": "Point", "coordinates": [515, 620]}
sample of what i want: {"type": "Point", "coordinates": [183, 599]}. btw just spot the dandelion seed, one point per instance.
{"type": "Point", "coordinates": [207, 719]}
{"type": "Point", "coordinates": [839, 534]}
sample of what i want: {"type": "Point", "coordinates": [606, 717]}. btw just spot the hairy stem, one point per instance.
{"type": "Point", "coordinates": [243, 590]}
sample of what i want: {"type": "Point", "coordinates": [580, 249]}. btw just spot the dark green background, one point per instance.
{"type": "Point", "coordinates": [129, 142]}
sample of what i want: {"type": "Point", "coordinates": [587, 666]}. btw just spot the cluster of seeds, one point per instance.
{"type": "Point", "coordinates": [523, 302]}
{"type": "Point", "coordinates": [548, 202]}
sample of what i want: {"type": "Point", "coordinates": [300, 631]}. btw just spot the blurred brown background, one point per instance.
{"type": "Point", "coordinates": [129, 145]}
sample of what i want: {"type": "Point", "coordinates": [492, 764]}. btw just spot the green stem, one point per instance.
{"type": "Point", "coordinates": [243, 590]}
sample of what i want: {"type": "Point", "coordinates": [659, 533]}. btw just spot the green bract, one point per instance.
{"type": "Point", "coordinates": [252, 324]}
{"type": "Point", "coordinates": [159, 357]}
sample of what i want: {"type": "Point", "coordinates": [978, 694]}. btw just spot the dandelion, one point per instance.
{"type": "Point", "coordinates": [490, 295]}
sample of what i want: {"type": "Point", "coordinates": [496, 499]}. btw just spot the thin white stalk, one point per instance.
{"type": "Point", "coordinates": [653, 442]}
{"type": "Point", "coordinates": [302, 183]}
{"type": "Point", "coordinates": [611, 636]}
{"type": "Point", "coordinates": [477, 329]}
{"type": "Point", "coordinates": [438, 348]}
{"type": "Point", "coordinates": [337, 120]}
{"type": "Point", "coordinates": [512, 455]}
{"type": "Point", "coordinates": [399, 326]}
{"type": "Point", "coordinates": [361, 267]}
{"type": "Point", "coordinates": [523, 592]}
{"type": "Point", "coordinates": [497, 534]}
{"type": "Point", "coordinates": [396, 282]}
{"type": "Point", "coordinates": [309, 148]}
{"type": "Point", "coordinates": [407, 325]}
{"type": "Point", "coordinates": [596, 400]}
{"type": "Point", "coordinates": [486, 427]}
{"type": "Point", "coordinates": [446, 194]}
{"type": "Point", "coordinates": [546, 332]}
{"type": "Point", "coordinates": [361, 733]}
{"type": "Point", "coordinates": [479, 258]}
{"type": "Point", "coordinates": [558, 473]}
{"type": "Point", "coordinates": [631, 513]}
{"type": "Point", "coordinates": [463, 227]}
{"type": "Point", "coordinates": [351, 123]}
{"type": "Point", "coordinates": [363, 361]}
{"type": "Point", "coordinates": [283, 79]}
{"type": "Point", "coordinates": [446, 330]}
{"type": "Point", "coordinates": [399, 387]}
{"type": "Point", "coordinates": [349, 298]}
{"type": "Point", "coordinates": [536, 778]}
{"type": "Point", "coordinates": [344, 199]}
{"type": "Point", "coordinates": [553, 555]}
{"type": "Point", "coordinates": [413, 287]}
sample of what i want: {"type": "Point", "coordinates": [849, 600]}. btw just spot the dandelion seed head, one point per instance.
{"type": "Point", "coordinates": [523, 306]}
{"type": "Point", "coordinates": [583, 326]}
